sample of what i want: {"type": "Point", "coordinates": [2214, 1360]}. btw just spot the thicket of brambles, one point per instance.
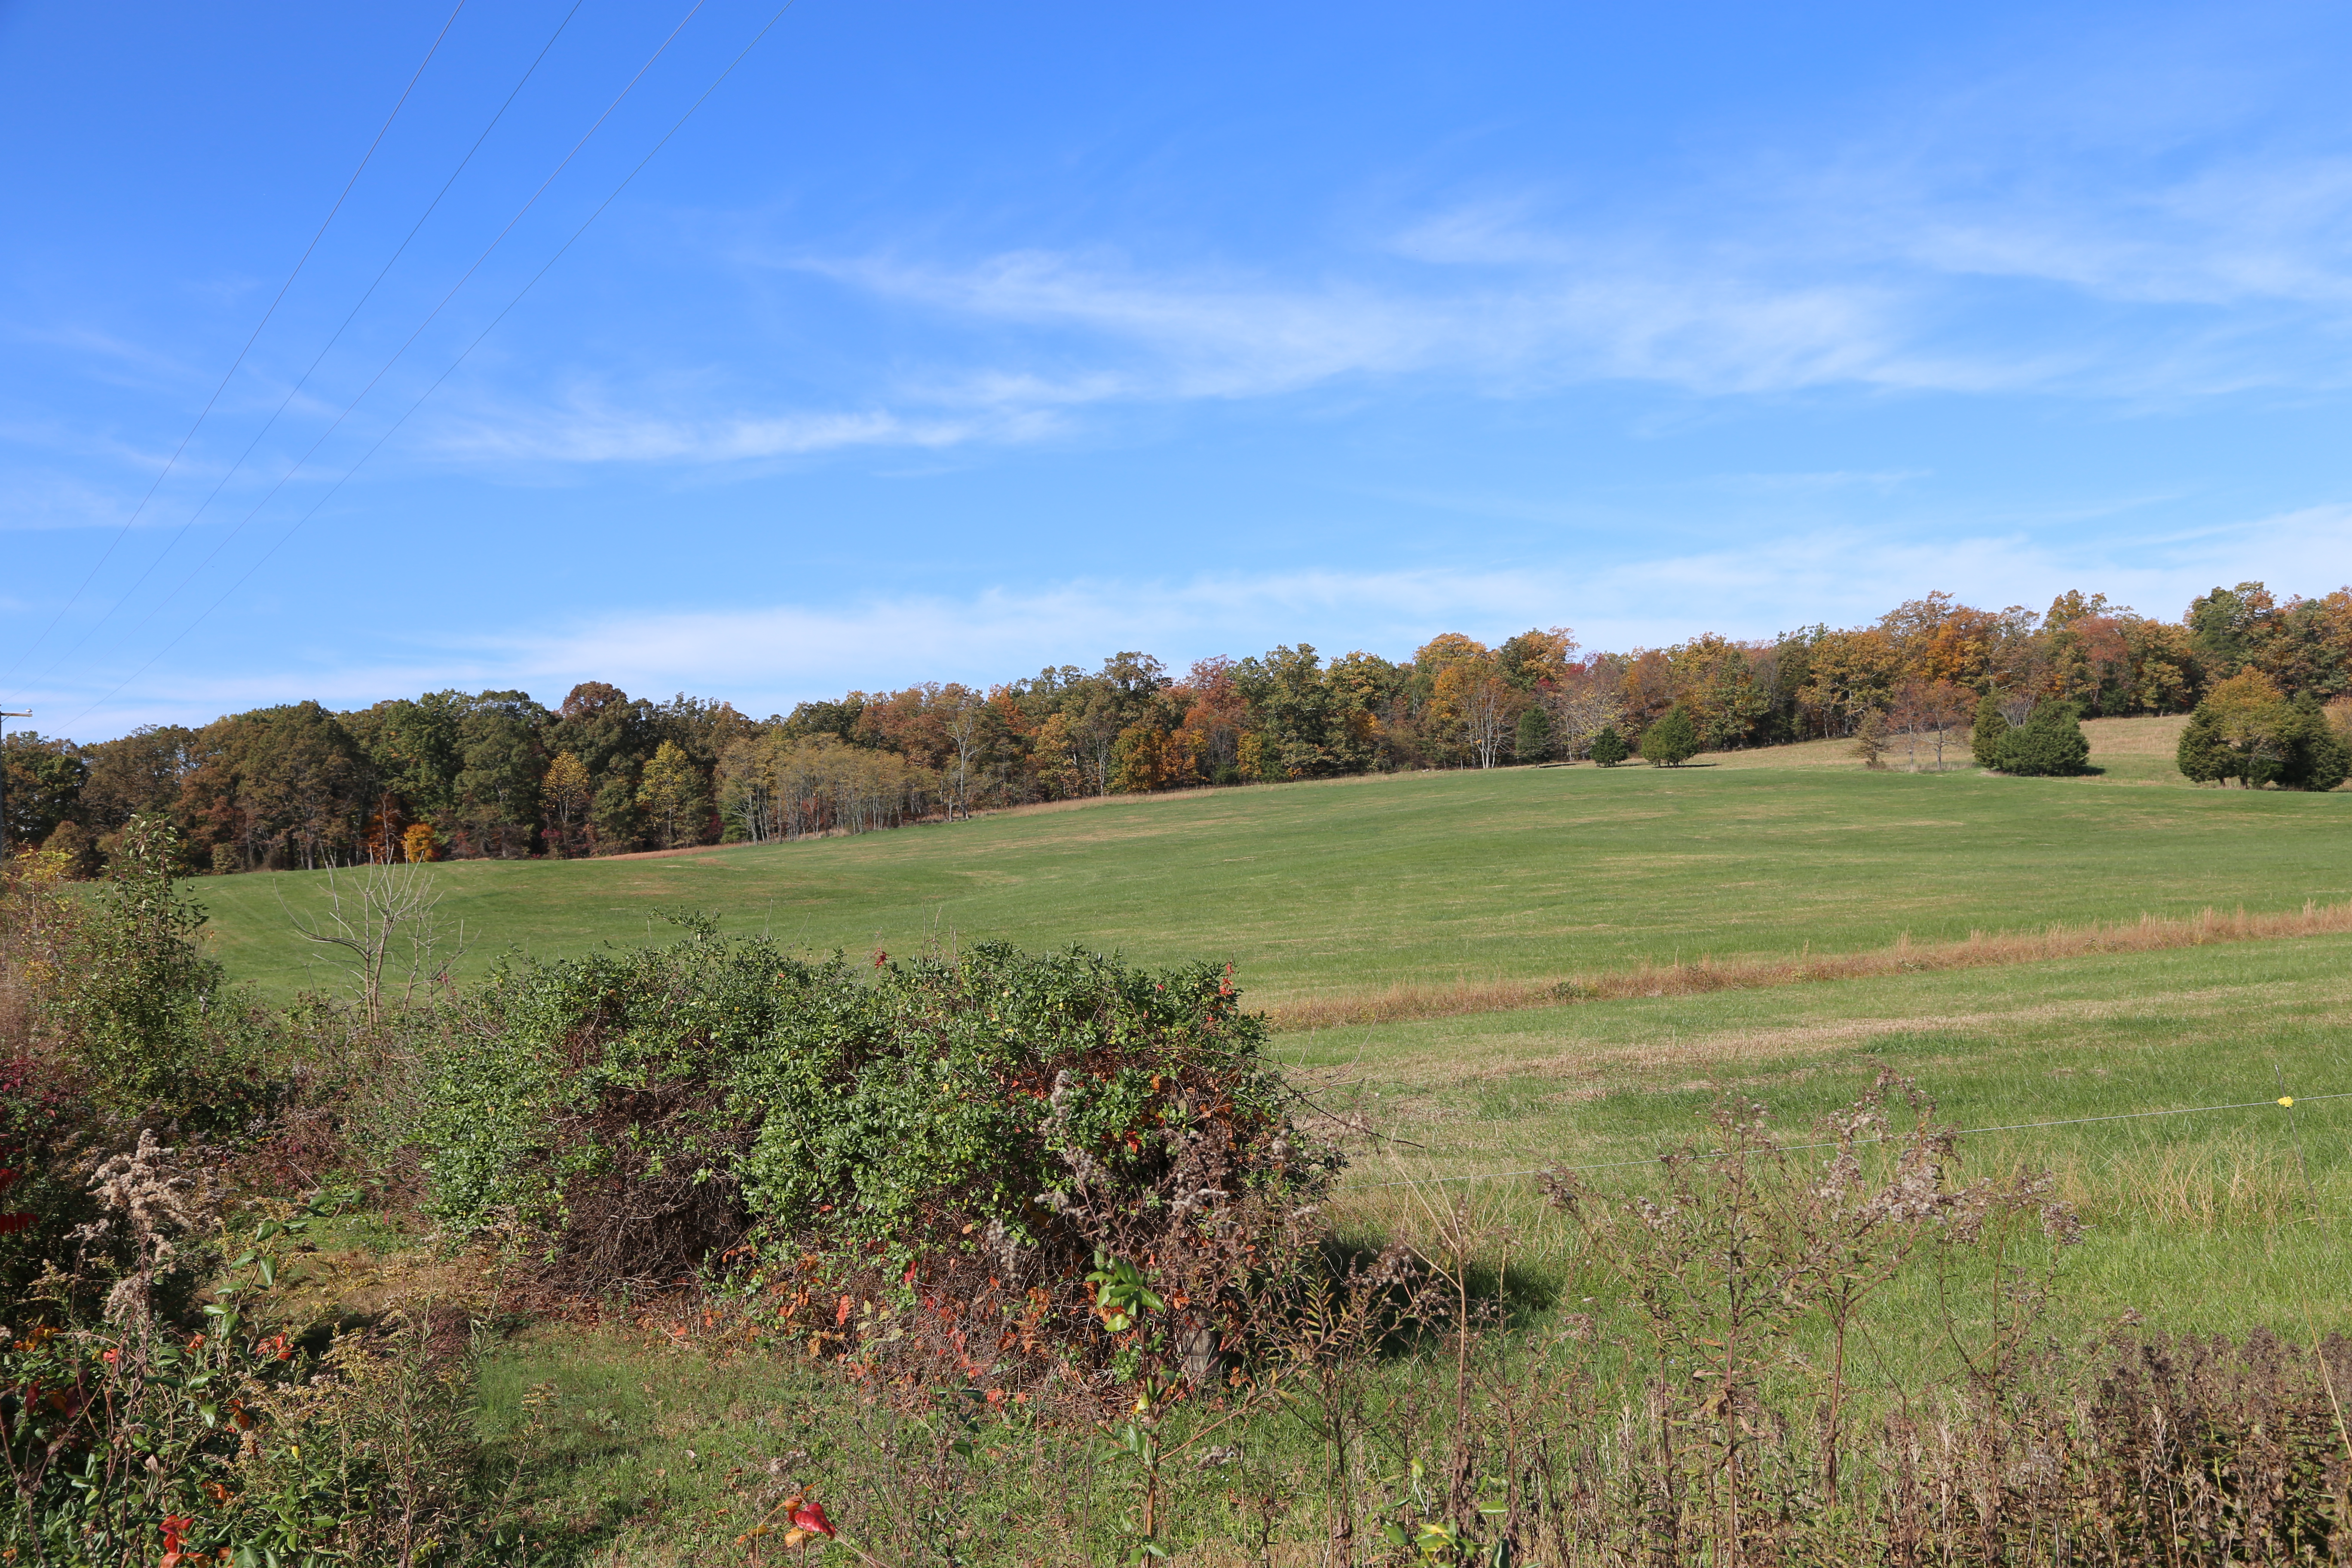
{"type": "Point", "coordinates": [495, 774]}
{"type": "Point", "coordinates": [1043, 1234]}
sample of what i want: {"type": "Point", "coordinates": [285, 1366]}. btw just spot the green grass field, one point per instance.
{"type": "Point", "coordinates": [2216, 1222]}
{"type": "Point", "coordinates": [2198, 1220]}
{"type": "Point", "coordinates": [2174, 1202]}
{"type": "Point", "coordinates": [1519, 873]}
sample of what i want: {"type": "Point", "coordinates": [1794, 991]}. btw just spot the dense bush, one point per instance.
{"type": "Point", "coordinates": [1609, 747]}
{"type": "Point", "coordinates": [1028, 1118]}
{"type": "Point", "coordinates": [2246, 731]}
{"type": "Point", "coordinates": [1672, 740]}
{"type": "Point", "coordinates": [2049, 744]}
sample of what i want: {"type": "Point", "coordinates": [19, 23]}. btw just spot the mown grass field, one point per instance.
{"type": "Point", "coordinates": [1521, 873]}
{"type": "Point", "coordinates": [2209, 1221]}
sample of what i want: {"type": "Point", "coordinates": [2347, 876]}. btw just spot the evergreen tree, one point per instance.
{"type": "Point", "coordinates": [1534, 744]}
{"type": "Point", "coordinates": [2050, 743]}
{"type": "Point", "coordinates": [1609, 747]}
{"type": "Point", "coordinates": [2204, 756]}
{"type": "Point", "coordinates": [2311, 756]}
{"type": "Point", "coordinates": [1991, 726]}
{"type": "Point", "coordinates": [1672, 740]}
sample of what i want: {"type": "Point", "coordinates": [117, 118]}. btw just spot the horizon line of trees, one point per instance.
{"type": "Point", "coordinates": [495, 774]}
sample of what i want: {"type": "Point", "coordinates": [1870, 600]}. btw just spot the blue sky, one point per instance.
{"type": "Point", "coordinates": [948, 342]}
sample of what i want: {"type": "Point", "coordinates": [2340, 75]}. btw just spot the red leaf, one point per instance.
{"type": "Point", "coordinates": [810, 1515]}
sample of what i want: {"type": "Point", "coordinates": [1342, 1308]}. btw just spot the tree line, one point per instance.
{"type": "Point", "coordinates": [495, 774]}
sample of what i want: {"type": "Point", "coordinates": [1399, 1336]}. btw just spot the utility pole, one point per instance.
{"type": "Point", "coordinates": [5, 715]}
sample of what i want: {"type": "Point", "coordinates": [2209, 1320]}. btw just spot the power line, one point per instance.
{"type": "Point", "coordinates": [385, 369]}
{"type": "Point", "coordinates": [165, 472]}
{"type": "Point", "coordinates": [295, 390]}
{"type": "Point", "coordinates": [2285, 1100]}
{"type": "Point", "coordinates": [468, 353]}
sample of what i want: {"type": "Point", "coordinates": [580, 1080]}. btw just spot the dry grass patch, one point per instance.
{"type": "Point", "coordinates": [1980, 950]}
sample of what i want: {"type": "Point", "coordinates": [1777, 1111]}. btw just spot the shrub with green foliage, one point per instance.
{"type": "Point", "coordinates": [2286, 742]}
{"type": "Point", "coordinates": [1609, 747]}
{"type": "Point", "coordinates": [2311, 755]}
{"type": "Point", "coordinates": [647, 1112]}
{"type": "Point", "coordinates": [1672, 740]}
{"type": "Point", "coordinates": [138, 1005]}
{"type": "Point", "coordinates": [2049, 744]}
{"type": "Point", "coordinates": [1991, 727]}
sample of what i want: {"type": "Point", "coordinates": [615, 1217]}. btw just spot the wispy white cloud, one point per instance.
{"type": "Point", "coordinates": [765, 657]}
{"type": "Point", "coordinates": [601, 433]}
{"type": "Point", "coordinates": [1211, 335]}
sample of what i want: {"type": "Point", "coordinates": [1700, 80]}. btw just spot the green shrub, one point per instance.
{"type": "Point", "coordinates": [2312, 757]}
{"type": "Point", "coordinates": [1672, 740]}
{"type": "Point", "coordinates": [1609, 747]}
{"type": "Point", "coordinates": [2245, 729]}
{"type": "Point", "coordinates": [1991, 729]}
{"type": "Point", "coordinates": [146, 1014]}
{"type": "Point", "coordinates": [2049, 744]}
{"type": "Point", "coordinates": [648, 1111]}
{"type": "Point", "coordinates": [2204, 754]}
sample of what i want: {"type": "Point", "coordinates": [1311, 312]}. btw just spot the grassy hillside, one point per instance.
{"type": "Point", "coordinates": [1519, 873]}
{"type": "Point", "coordinates": [2209, 1220]}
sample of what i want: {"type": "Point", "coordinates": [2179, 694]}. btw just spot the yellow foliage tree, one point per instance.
{"type": "Point", "coordinates": [567, 789]}
{"type": "Point", "coordinates": [671, 793]}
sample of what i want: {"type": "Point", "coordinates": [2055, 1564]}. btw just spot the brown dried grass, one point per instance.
{"type": "Point", "coordinates": [1980, 950]}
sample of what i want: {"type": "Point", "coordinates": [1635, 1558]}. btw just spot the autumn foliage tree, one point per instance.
{"type": "Point", "coordinates": [1870, 743]}
{"type": "Point", "coordinates": [495, 773]}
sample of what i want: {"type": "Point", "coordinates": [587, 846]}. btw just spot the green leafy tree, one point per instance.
{"type": "Point", "coordinates": [500, 738]}
{"type": "Point", "coordinates": [1534, 740]}
{"type": "Point", "coordinates": [135, 772]}
{"type": "Point", "coordinates": [2227, 625]}
{"type": "Point", "coordinates": [45, 777]}
{"type": "Point", "coordinates": [1991, 728]}
{"type": "Point", "coordinates": [612, 734]}
{"type": "Point", "coordinates": [1609, 747]}
{"type": "Point", "coordinates": [1672, 740]}
{"type": "Point", "coordinates": [2049, 744]}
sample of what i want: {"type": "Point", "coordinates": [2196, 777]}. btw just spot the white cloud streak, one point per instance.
{"type": "Point", "coordinates": [766, 658]}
